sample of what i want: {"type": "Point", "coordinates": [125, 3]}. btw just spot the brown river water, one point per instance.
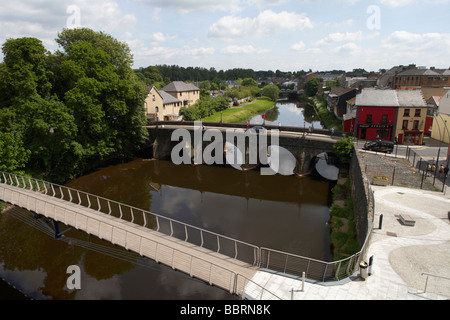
{"type": "Point", "coordinates": [286, 213]}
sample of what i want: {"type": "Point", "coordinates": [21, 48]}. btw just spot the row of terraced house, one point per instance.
{"type": "Point", "coordinates": [403, 104]}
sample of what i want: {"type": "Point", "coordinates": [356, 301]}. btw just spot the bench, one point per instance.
{"type": "Point", "coordinates": [407, 220]}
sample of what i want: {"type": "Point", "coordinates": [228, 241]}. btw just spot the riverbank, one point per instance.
{"type": "Point", "coordinates": [327, 118]}
{"type": "Point", "coordinates": [242, 113]}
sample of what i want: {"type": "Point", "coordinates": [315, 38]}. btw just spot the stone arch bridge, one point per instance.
{"type": "Point", "coordinates": [303, 144]}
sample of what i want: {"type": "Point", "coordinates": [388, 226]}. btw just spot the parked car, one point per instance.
{"type": "Point", "coordinates": [379, 146]}
{"type": "Point", "coordinates": [257, 129]}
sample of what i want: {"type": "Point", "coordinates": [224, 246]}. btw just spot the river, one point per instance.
{"type": "Point", "coordinates": [279, 212]}
{"type": "Point", "coordinates": [288, 113]}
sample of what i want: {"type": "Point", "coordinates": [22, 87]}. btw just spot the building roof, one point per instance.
{"type": "Point", "coordinates": [167, 98]}
{"type": "Point", "coordinates": [390, 98]}
{"type": "Point", "coordinates": [180, 86]}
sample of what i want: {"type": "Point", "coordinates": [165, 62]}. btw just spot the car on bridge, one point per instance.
{"type": "Point", "coordinates": [379, 146]}
{"type": "Point", "coordinates": [257, 129]}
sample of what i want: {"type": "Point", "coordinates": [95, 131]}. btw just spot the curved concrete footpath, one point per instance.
{"type": "Point", "coordinates": [406, 259]}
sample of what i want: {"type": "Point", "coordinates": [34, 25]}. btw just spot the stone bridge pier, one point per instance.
{"type": "Point", "coordinates": [304, 148]}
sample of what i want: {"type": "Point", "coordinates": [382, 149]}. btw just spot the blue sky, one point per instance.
{"type": "Point", "coordinates": [287, 35]}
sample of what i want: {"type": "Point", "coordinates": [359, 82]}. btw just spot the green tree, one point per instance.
{"type": "Point", "coordinates": [104, 94]}
{"type": "Point", "coordinates": [72, 108]}
{"type": "Point", "coordinates": [312, 86]}
{"type": "Point", "coordinates": [344, 147]}
{"type": "Point", "coordinates": [13, 155]}
{"type": "Point", "coordinates": [271, 91]}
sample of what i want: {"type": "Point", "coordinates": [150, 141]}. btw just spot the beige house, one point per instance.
{"type": "Point", "coordinates": [161, 106]}
{"type": "Point", "coordinates": [411, 117]}
{"type": "Point", "coordinates": [187, 93]}
{"type": "Point", "coordinates": [165, 104]}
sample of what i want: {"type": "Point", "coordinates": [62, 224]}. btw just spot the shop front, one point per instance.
{"type": "Point", "coordinates": [410, 138]}
{"type": "Point", "coordinates": [375, 131]}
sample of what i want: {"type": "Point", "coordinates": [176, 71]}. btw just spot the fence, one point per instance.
{"type": "Point", "coordinates": [215, 242]}
{"type": "Point", "coordinates": [429, 168]}
{"type": "Point", "coordinates": [254, 255]}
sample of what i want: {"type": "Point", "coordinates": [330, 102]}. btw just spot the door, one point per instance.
{"type": "Point", "coordinates": [363, 133]}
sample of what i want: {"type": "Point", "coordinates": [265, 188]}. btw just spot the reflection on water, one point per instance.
{"type": "Point", "coordinates": [288, 113]}
{"type": "Point", "coordinates": [283, 213]}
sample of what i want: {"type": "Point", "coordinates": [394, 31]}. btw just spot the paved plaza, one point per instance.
{"type": "Point", "coordinates": [409, 262]}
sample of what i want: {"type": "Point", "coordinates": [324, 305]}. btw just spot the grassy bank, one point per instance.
{"type": "Point", "coordinates": [344, 237]}
{"type": "Point", "coordinates": [327, 118]}
{"type": "Point", "coordinates": [242, 114]}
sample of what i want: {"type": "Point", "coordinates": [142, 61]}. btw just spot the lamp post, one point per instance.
{"type": "Point", "coordinates": [439, 150]}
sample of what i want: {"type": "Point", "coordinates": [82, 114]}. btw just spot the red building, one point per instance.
{"type": "Point", "coordinates": [376, 122]}
{"type": "Point", "coordinates": [390, 114]}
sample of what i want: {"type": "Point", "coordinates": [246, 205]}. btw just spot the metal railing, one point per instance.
{"type": "Point", "coordinates": [220, 276]}
{"type": "Point", "coordinates": [206, 239]}
{"type": "Point", "coordinates": [314, 269]}
{"type": "Point", "coordinates": [434, 276]}
{"type": "Point", "coordinates": [252, 254]}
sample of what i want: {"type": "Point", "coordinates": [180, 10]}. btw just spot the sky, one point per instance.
{"type": "Point", "coordinates": [286, 35]}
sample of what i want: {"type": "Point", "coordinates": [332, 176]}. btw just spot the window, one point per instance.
{"type": "Point", "coordinates": [383, 133]}
{"type": "Point", "coordinates": [406, 114]}
{"type": "Point", "coordinates": [156, 109]}
{"type": "Point", "coordinates": [405, 125]}
{"type": "Point", "coordinates": [416, 125]}
{"type": "Point", "coordinates": [384, 119]}
{"type": "Point", "coordinates": [154, 98]}
{"type": "Point", "coordinates": [417, 114]}
{"type": "Point", "coordinates": [369, 118]}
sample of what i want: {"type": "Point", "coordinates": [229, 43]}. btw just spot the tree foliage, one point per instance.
{"type": "Point", "coordinates": [271, 91]}
{"type": "Point", "coordinates": [72, 108]}
{"type": "Point", "coordinates": [344, 147]}
{"type": "Point", "coordinates": [312, 87]}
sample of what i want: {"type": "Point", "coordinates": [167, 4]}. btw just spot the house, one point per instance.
{"type": "Point", "coordinates": [441, 123]}
{"type": "Point", "coordinates": [390, 114]}
{"type": "Point", "coordinates": [411, 117]}
{"type": "Point", "coordinates": [350, 116]}
{"type": "Point", "coordinates": [161, 106]}
{"type": "Point", "coordinates": [421, 77]}
{"type": "Point", "coordinates": [187, 93]}
{"type": "Point", "coordinates": [165, 104]}
{"type": "Point", "coordinates": [337, 100]}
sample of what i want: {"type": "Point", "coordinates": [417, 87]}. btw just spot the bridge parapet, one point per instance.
{"type": "Point", "coordinates": [304, 146]}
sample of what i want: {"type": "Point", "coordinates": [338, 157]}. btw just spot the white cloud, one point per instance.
{"type": "Point", "coordinates": [243, 49]}
{"type": "Point", "coordinates": [402, 3]}
{"type": "Point", "coordinates": [403, 47]}
{"type": "Point", "coordinates": [161, 37]}
{"type": "Point", "coordinates": [188, 6]}
{"type": "Point", "coordinates": [349, 49]}
{"type": "Point", "coordinates": [300, 46]}
{"type": "Point", "coordinates": [44, 19]}
{"type": "Point", "coordinates": [266, 23]}
{"type": "Point", "coordinates": [345, 37]}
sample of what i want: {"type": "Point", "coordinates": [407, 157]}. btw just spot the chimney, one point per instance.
{"type": "Point", "coordinates": [432, 68]}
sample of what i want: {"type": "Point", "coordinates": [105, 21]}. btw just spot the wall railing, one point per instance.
{"type": "Point", "coordinates": [257, 256]}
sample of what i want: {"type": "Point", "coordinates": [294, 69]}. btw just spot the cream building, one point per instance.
{"type": "Point", "coordinates": [187, 93]}
{"type": "Point", "coordinates": [441, 123]}
{"type": "Point", "coordinates": [165, 104]}
{"type": "Point", "coordinates": [411, 117]}
{"type": "Point", "coordinates": [161, 106]}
